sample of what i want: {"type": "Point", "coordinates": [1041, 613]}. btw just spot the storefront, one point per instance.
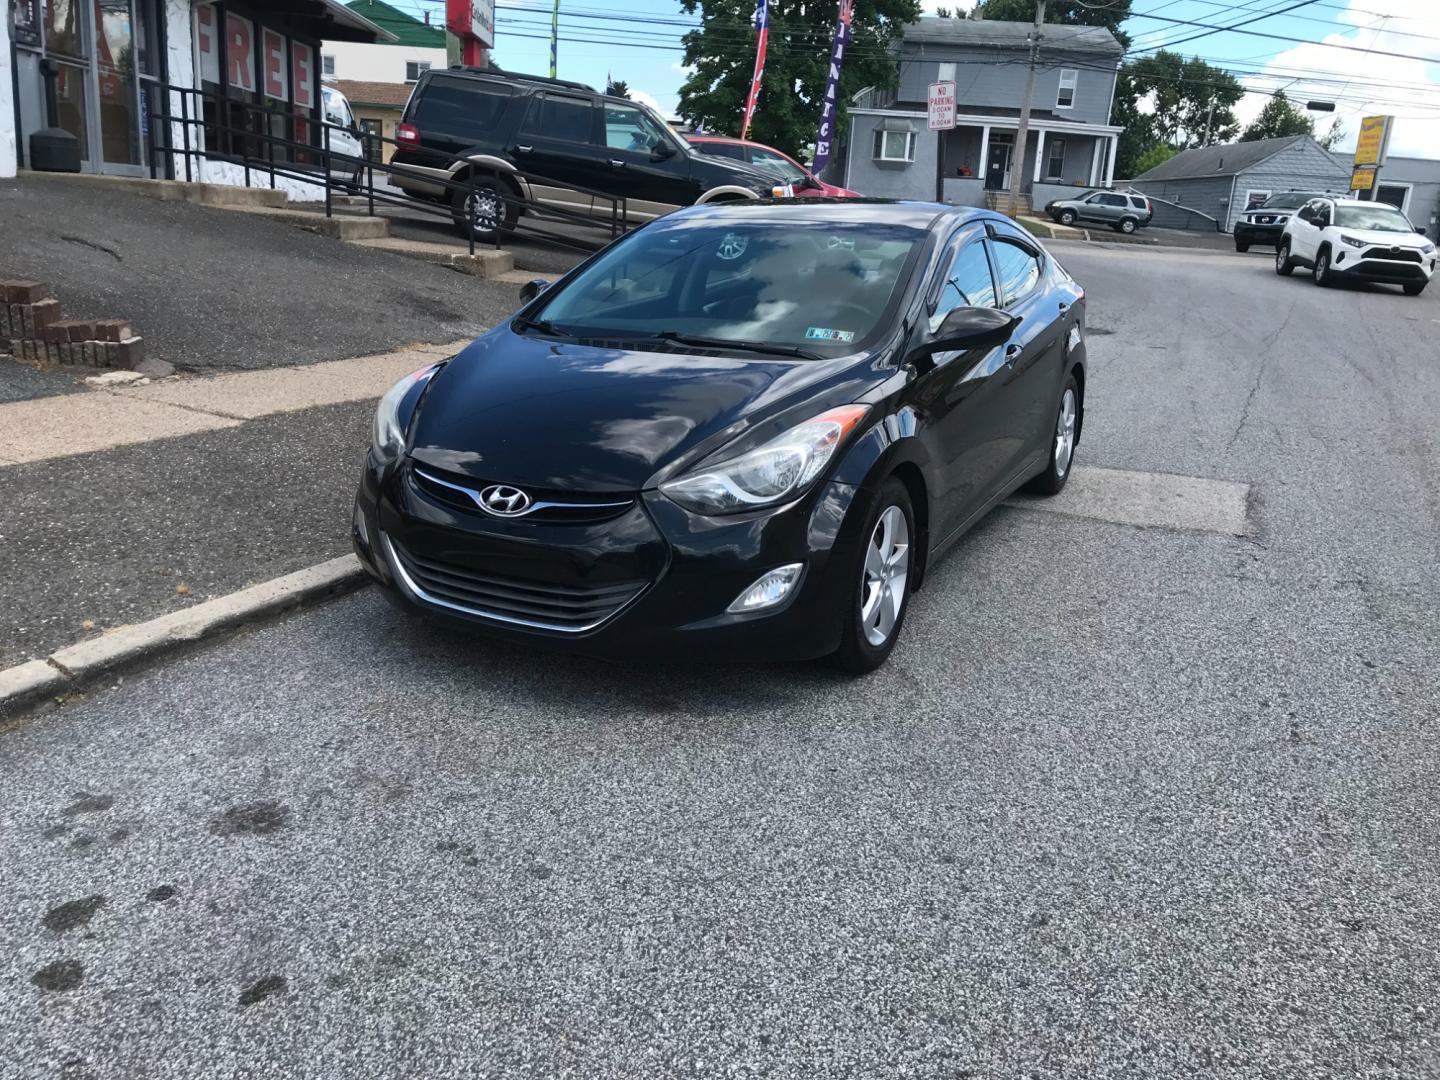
{"type": "Point", "coordinates": [117, 63]}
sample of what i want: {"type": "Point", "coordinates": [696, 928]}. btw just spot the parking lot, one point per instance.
{"type": "Point", "coordinates": [1129, 800]}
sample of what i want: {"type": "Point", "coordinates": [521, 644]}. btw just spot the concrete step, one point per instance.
{"type": "Point", "coordinates": [178, 190]}
{"type": "Point", "coordinates": [486, 262]}
{"type": "Point", "coordinates": [342, 228]}
{"type": "Point", "coordinates": [1051, 229]}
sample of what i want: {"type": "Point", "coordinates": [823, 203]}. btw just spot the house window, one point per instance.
{"type": "Point", "coordinates": [327, 65]}
{"type": "Point", "coordinates": [895, 146]}
{"type": "Point", "coordinates": [1065, 97]}
{"type": "Point", "coordinates": [414, 69]}
{"type": "Point", "coordinates": [1055, 162]}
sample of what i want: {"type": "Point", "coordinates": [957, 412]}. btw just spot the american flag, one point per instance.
{"type": "Point", "coordinates": [762, 27]}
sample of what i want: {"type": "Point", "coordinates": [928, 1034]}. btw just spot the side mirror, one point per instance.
{"type": "Point", "coordinates": [532, 289]}
{"type": "Point", "coordinates": [663, 151]}
{"type": "Point", "coordinates": [970, 328]}
{"type": "Point", "coordinates": [1305, 214]}
{"type": "Point", "coordinates": [810, 183]}
{"type": "Point", "coordinates": [1421, 230]}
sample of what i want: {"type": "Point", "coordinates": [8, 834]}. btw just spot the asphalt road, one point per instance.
{"type": "Point", "coordinates": [214, 290]}
{"type": "Point", "coordinates": [1126, 802]}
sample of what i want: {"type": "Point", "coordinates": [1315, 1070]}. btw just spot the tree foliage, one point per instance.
{"type": "Point", "coordinates": [618, 88]}
{"type": "Point", "coordinates": [1156, 155]}
{"type": "Point", "coordinates": [1277, 119]}
{"type": "Point", "coordinates": [1333, 136]}
{"type": "Point", "coordinates": [722, 55]}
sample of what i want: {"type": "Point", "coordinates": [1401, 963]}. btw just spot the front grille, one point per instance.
{"type": "Point", "coordinates": [1402, 255]}
{"type": "Point", "coordinates": [552, 507]}
{"type": "Point", "coordinates": [520, 601]}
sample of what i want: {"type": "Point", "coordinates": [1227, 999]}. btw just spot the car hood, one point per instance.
{"type": "Point", "coordinates": [1386, 239]}
{"type": "Point", "coordinates": [552, 414]}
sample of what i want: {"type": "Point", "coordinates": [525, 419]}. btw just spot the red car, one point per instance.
{"type": "Point", "coordinates": [807, 184]}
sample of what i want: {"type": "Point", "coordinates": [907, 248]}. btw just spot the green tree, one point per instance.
{"type": "Point", "coordinates": [1156, 155]}
{"type": "Point", "coordinates": [722, 53]}
{"type": "Point", "coordinates": [1333, 136]}
{"type": "Point", "coordinates": [618, 88]}
{"type": "Point", "coordinates": [1107, 13]}
{"type": "Point", "coordinates": [1189, 102]}
{"type": "Point", "coordinates": [1277, 119]}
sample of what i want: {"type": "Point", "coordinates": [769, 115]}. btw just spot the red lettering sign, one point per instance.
{"type": "Point", "coordinates": [303, 74]}
{"type": "Point", "coordinates": [240, 51]}
{"type": "Point", "coordinates": [274, 57]}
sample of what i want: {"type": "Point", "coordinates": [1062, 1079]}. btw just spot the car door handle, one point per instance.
{"type": "Point", "coordinates": [523, 149]}
{"type": "Point", "coordinates": [1064, 307]}
{"type": "Point", "coordinates": [1012, 353]}
{"type": "Point", "coordinates": [617, 163]}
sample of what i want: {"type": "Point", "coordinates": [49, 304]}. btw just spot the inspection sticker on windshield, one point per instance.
{"type": "Point", "coordinates": [820, 333]}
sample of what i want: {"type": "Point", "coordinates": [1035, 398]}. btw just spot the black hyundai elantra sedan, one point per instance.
{"type": "Point", "coordinates": [743, 430]}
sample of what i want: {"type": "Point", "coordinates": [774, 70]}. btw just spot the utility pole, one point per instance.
{"type": "Point", "coordinates": [1017, 160]}
{"type": "Point", "coordinates": [1209, 121]}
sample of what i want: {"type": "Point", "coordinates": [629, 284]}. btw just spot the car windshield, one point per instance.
{"type": "Point", "coordinates": [1377, 218]}
{"type": "Point", "coordinates": [1287, 200]}
{"type": "Point", "coordinates": [816, 286]}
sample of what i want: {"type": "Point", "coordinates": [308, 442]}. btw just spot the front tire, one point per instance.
{"type": "Point", "coordinates": [1066, 217]}
{"type": "Point", "coordinates": [1242, 245]}
{"type": "Point", "coordinates": [1062, 447]}
{"type": "Point", "coordinates": [1320, 273]}
{"type": "Point", "coordinates": [879, 574]}
{"type": "Point", "coordinates": [1284, 265]}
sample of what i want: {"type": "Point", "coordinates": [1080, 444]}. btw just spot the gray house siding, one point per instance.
{"type": "Point", "coordinates": [1422, 175]}
{"type": "Point", "coordinates": [981, 82]}
{"type": "Point", "coordinates": [887, 179]}
{"type": "Point", "coordinates": [1301, 166]}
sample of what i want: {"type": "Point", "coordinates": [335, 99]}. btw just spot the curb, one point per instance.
{"type": "Point", "coordinates": [76, 665]}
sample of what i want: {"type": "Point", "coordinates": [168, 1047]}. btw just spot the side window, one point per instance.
{"type": "Point", "coordinates": [560, 117]}
{"type": "Point", "coordinates": [628, 128]}
{"type": "Point", "coordinates": [1137, 203]}
{"type": "Point", "coordinates": [1113, 200]}
{"type": "Point", "coordinates": [968, 283]}
{"type": "Point", "coordinates": [1019, 270]}
{"type": "Point", "coordinates": [460, 108]}
{"type": "Point", "coordinates": [1065, 95]}
{"type": "Point", "coordinates": [1324, 215]}
{"type": "Point", "coordinates": [1096, 200]}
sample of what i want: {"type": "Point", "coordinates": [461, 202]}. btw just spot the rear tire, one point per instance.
{"type": "Point", "coordinates": [1320, 273]}
{"type": "Point", "coordinates": [879, 578]}
{"type": "Point", "coordinates": [1414, 288]}
{"type": "Point", "coordinates": [1284, 265]}
{"type": "Point", "coordinates": [496, 209]}
{"type": "Point", "coordinates": [1066, 217]}
{"type": "Point", "coordinates": [1062, 445]}
{"type": "Point", "coordinates": [1127, 225]}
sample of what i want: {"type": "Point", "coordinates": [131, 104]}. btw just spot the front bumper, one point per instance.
{"type": "Point", "coordinates": [1379, 264]}
{"type": "Point", "coordinates": [685, 570]}
{"type": "Point", "coordinates": [1250, 233]}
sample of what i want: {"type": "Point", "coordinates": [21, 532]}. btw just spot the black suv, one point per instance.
{"type": "Point", "coordinates": [506, 125]}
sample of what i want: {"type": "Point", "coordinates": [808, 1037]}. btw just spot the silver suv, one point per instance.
{"type": "Point", "coordinates": [1122, 211]}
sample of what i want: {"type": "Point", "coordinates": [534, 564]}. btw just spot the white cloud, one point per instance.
{"type": "Point", "coordinates": [650, 100]}
{"type": "Point", "coordinates": [1364, 84]}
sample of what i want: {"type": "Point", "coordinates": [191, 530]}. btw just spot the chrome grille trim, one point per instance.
{"type": "Point", "coordinates": [474, 497]}
{"type": "Point", "coordinates": [606, 601]}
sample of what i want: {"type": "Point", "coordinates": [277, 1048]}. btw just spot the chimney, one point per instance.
{"type": "Point", "coordinates": [427, 18]}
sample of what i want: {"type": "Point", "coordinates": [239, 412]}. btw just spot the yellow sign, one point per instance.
{"type": "Point", "coordinates": [1371, 145]}
{"type": "Point", "coordinates": [1362, 179]}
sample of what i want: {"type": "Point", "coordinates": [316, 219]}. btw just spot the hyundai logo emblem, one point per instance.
{"type": "Point", "coordinates": [502, 500]}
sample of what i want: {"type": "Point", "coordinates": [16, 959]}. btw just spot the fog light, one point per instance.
{"type": "Point", "coordinates": [769, 589]}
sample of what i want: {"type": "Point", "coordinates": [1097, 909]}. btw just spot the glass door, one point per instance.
{"type": "Point", "coordinates": [67, 36]}
{"type": "Point", "coordinates": [118, 96]}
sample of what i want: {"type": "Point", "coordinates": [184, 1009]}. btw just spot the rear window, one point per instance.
{"type": "Point", "coordinates": [720, 149]}
{"type": "Point", "coordinates": [826, 288]}
{"type": "Point", "coordinates": [465, 109]}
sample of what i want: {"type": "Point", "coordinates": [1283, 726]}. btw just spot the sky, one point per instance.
{"type": "Point", "coordinates": [639, 41]}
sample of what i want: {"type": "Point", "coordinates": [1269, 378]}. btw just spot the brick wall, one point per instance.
{"type": "Point", "coordinates": [32, 329]}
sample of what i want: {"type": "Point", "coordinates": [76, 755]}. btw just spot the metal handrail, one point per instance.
{"type": "Point", "coordinates": [227, 134]}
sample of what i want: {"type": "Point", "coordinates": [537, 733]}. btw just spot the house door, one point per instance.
{"type": "Point", "coordinates": [997, 168]}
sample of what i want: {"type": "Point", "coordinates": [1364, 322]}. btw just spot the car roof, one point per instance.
{"type": "Point", "coordinates": [917, 215]}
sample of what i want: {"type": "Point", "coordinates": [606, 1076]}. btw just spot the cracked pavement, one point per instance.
{"type": "Point", "coordinates": [1126, 802]}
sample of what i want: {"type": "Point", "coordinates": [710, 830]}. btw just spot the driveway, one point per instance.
{"type": "Point", "coordinates": [1129, 800]}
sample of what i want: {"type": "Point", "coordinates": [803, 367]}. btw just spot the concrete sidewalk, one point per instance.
{"type": "Point", "coordinates": [213, 290]}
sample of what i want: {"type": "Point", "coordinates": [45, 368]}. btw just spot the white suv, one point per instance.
{"type": "Point", "coordinates": [1365, 241]}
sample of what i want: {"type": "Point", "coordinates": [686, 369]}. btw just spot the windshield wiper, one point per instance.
{"type": "Point", "coordinates": [543, 325]}
{"type": "Point", "coordinates": [775, 349]}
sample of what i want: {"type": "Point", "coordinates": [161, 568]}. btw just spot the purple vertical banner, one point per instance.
{"type": "Point", "coordinates": [825, 137]}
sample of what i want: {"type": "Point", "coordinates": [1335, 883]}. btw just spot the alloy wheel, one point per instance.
{"type": "Point", "coordinates": [484, 209]}
{"type": "Point", "coordinates": [1065, 434]}
{"type": "Point", "coordinates": [883, 579]}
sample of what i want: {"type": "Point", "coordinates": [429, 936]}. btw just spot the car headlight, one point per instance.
{"type": "Point", "coordinates": [1428, 249]}
{"type": "Point", "coordinates": [1352, 242]}
{"type": "Point", "coordinates": [770, 474]}
{"type": "Point", "coordinates": [389, 435]}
